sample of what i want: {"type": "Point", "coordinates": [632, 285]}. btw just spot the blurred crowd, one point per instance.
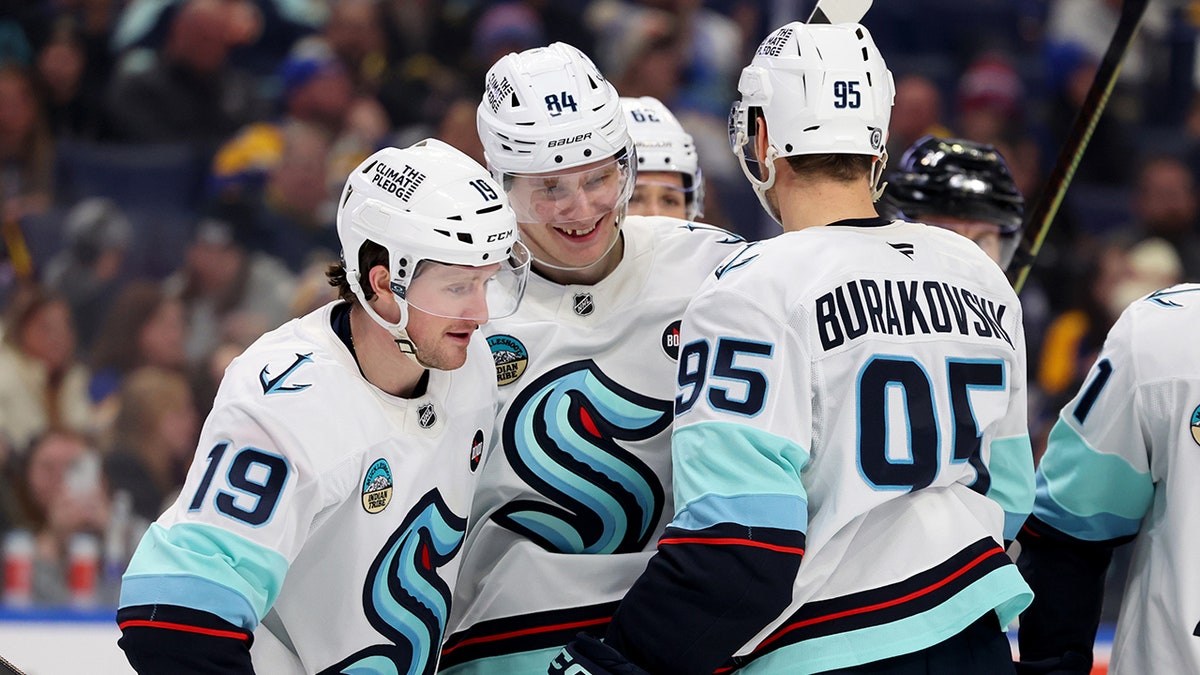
{"type": "Point", "coordinates": [168, 170]}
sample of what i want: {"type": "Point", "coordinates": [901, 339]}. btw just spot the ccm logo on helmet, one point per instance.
{"type": "Point", "coordinates": [568, 141]}
{"type": "Point", "coordinates": [499, 236]}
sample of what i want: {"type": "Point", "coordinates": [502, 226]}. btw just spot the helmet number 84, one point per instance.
{"type": "Point", "coordinates": [846, 94]}
{"type": "Point", "coordinates": [556, 102]}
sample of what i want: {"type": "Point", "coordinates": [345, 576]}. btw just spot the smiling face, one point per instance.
{"type": "Point", "coordinates": [569, 219]}
{"type": "Point", "coordinates": [659, 193]}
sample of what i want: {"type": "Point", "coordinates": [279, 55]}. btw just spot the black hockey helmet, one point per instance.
{"type": "Point", "coordinates": [956, 178]}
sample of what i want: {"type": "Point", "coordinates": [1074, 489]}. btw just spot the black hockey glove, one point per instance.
{"type": "Point", "coordinates": [585, 655]}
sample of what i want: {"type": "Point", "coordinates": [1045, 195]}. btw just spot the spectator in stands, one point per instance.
{"type": "Point", "coordinates": [916, 113]}
{"type": "Point", "coordinates": [43, 386]}
{"type": "Point", "coordinates": [146, 327]}
{"type": "Point", "coordinates": [230, 293]}
{"type": "Point", "coordinates": [26, 147]}
{"type": "Point", "coordinates": [189, 94]}
{"type": "Point", "coordinates": [73, 69]}
{"type": "Point", "coordinates": [89, 270]}
{"type": "Point", "coordinates": [153, 438]}
{"type": "Point", "coordinates": [990, 100]}
{"type": "Point", "coordinates": [1070, 70]}
{"type": "Point", "coordinates": [290, 216]}
{"type": "Point", "coordinates": [62, 495]}
{"type": "Point", "coordinates": [1165, 205]}
{"type": "Point", "coordinates": [1118, 273]}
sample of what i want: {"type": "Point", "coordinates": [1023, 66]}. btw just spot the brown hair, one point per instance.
{"type": "Point", "coordinates": [369, 255]}
{"type": "Point", "coordinates": [117, 342]}
{"type": "Point", "coordinates": [842, 168]}
{"type": "Point", "coordinates": [146, 395]}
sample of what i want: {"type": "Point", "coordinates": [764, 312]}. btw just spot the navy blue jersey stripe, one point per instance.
{"type": "Point", "coordinates": [526, 632]}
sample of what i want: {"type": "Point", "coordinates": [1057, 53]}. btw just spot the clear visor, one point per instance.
{"type": "Point", "coordinates": [571, 196]}
{"type": "Point", "coordinates": [472, 293]}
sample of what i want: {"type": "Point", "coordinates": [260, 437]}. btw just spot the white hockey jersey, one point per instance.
{"type": "Point", "coordinates": [578, 487]}
{"type": "Point", "coordinates": [852, 399]}
{"type": "Point", "coordinates": [321, 511]}
{"type": "Point", "coordinates": [1124, 459]}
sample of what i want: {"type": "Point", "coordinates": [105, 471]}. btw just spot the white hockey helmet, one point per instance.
{"type": "Point", "coordinates": [662, 144]}
{"type": "Point", "coordinates": [431, 203]}
{"type": "Point", "coordinates": [549, 109]}
{"type": "Point", "coordinates": [823, 89]}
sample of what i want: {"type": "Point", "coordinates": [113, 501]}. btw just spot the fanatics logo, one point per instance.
{"type": "Point", "coordinates": [510, 357]}
{"type": "Point", "coordinates": [426, 417]}
{"type": "Point", "coordinates": [583, 304]}
{"type": "Point", "coordinates": [476, 450]}
{"type": "Point", "coordinates": [377, 487]}
{"type": "Point", "coordinates": [670, 340]}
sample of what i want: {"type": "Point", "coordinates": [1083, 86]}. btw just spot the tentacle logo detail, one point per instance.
{"type": "Point", "coordinates": [562, 437]}
{"type": "Point", "coordinates": [404, 598]}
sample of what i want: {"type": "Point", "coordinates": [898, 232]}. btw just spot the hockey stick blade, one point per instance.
{"type": "Point", "coordinates": [1038, 220]}
{"type": "Point", "coordinates": [839, 11]}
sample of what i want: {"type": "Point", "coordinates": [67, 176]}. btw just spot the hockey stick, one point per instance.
{"type": "Point", "coordinates": [839, 11]}
{"type": "Point", "coordinates": [1038, 221]}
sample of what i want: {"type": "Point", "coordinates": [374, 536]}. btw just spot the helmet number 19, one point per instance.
{"type": "Point", "coordinates": [486, 191]}
{"type": "Point", "coordinates": [556, 102]}
{"type": "Point", "coordinates": [846, 95]}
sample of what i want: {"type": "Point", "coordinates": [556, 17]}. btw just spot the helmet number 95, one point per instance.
{"type": "Point", "coordinates": [846, 94]}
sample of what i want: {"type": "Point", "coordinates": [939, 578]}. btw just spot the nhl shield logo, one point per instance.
{"type": "Point", "coordinates": [476, 449]}
{"type": "Point", "coordinates": [377, 487]}
{"type": "Point", "coordinates": [583, 304]}
{"type": "Point", "coordinates": [426, 417]}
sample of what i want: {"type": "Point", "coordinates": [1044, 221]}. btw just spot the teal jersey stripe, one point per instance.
{"type": "Point", "coordinates": [1011, 466]}
{"type": "Point", "coordinates": [784, 512]}
{"type": "Point", "coordinates": [1002, 590]}
{"type": "Point", "coordinates": [521, 663]}
{"type": "Point", "coordinates": [204, 567]}
{"type": "Point", "coordinates": [728, 460]}
{"type": "Point", "coordinates": [1088, 494]}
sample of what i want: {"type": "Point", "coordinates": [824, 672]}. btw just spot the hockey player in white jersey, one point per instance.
{"type": "Point", "coordinates": [669, 180]}
{"type": "Point", "coordinates": [578, 488]}
{"type": "Point", "coordinates": [323, 516]}
{"type": "Point", "coordinates": [963, 186]}
{"type": "Point", "coordinates": [1122, 463]}
{"type": "Point", "coordinates": [850, 445]}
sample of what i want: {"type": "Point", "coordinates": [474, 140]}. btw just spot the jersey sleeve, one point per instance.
{"type": "Point", "coordinates": [1010, 452]}
{"type": "Point", "coordinates": [730, 556]}
{"type": "Point", "coordinates": [215, 561]}
{"type": "Point", "coordinates": [1093, 488]}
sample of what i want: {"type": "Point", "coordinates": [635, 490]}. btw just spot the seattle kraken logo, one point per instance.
{"type": "Point", "coordinates": [404, 598]}
{"type": "Point", "coordinates": [561, 437]}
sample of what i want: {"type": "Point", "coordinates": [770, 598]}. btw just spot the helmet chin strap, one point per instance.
{"type": "Point", "coordinates": [877, 183]}
{"type": "Point", "coordinates": [396, 330]}
{"type": "Point", "coordinates": [761, 186]}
